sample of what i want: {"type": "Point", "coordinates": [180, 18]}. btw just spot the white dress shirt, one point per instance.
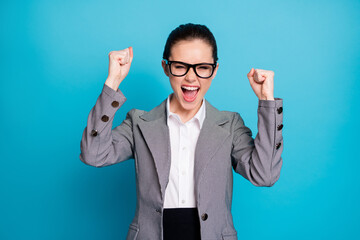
{"type": "Point", "coordinates": [180, 191]}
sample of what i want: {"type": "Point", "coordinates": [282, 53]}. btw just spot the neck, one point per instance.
{"type": "Point", "coordinates": [184, 114]}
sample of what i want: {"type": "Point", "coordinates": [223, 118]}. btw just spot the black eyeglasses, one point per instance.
{"type": "Point", "coordinates": [202, 70]}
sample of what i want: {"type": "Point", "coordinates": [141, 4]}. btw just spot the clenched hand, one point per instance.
{"type": "Point", "coordinates": [119, 66]}
{"type": "Point", "coordinates": [262, 83]}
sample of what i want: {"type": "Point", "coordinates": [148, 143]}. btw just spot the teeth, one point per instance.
{"type": "Point", "coordinates": [190, 88]}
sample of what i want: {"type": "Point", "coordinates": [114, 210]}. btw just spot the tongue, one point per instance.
{"type": "Point", "coordinates": [189, 95]}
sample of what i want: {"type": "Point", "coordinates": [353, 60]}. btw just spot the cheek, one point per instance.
{"type": "Point", "coordinates": [206, 86]}
{"type": "Point", "coordinates": [174, 83]}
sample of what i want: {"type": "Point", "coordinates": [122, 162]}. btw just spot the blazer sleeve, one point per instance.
{"type": "Point", "coordinates": [100, 145]}
{"type": "Point", "coordinates": [260, 160]}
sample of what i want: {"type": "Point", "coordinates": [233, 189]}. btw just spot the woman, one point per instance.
{"type": "Point", "coordinates": [185, 149]}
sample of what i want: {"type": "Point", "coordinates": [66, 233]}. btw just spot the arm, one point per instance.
{"type": "Point", "coordinates": [100, 145]}
{"type": "Point", "coordinates": [260, 160]}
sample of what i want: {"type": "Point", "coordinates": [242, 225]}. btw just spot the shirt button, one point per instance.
{"type": "Point", "coordinates": [183, 201]}
{"type": "Point", "coordinates": [204, 216]}
{"type": "Point", "coordinates": [279, 127]}
{"type": "Point", "coordinates": [184, 148]}
{"type": "Point", "coordinates": [278, 145]}
{"type": "Point", "coordinates": [279, 110]}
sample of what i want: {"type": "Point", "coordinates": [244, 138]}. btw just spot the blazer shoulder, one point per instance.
{"type": "Point", "coordinates": [134, 114]}
{"type": "Point", "coordinates": [221, 117]}
{"type": "Point", "coordinates": [231, 116]}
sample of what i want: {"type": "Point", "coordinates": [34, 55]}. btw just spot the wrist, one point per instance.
{"type": "Point", "coordinates": [112, 84]}
{"type": "Point", "coordinates": [266, 98]}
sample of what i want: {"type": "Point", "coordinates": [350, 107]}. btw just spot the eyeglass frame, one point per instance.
{"type": "Point", "coordinates": [193, 66]}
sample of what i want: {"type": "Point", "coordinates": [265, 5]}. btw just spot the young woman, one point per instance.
{"type": "Point", "coordinates": [185, 149]}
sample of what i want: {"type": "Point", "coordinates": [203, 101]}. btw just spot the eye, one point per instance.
{"type": "Point", "coordinates": [179, 66]}
{"type": "Point", "coordinates": [204, 67]}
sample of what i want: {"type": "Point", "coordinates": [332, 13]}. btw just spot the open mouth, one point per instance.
{"type": "Point", "coordinates": [190, 92]}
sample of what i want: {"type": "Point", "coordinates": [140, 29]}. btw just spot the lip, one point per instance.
{"type": "Point", "coordinates": [187, 99]}
{"type": "Point", "coordinates": [186, 85]}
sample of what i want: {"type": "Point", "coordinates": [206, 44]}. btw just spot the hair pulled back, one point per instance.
{"type": "Point", "coordinates": [190, 31]}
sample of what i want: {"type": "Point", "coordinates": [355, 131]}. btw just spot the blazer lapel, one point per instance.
{"type": "Point", "coordinates": [211, 137]}
{"type": "Point", "coordinates": [156, 134]}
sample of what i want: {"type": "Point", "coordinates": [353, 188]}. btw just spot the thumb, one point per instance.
{"type": "Point", "coordinates": [250, 75]}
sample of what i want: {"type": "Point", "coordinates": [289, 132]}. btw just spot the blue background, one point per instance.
{"type": "Point", "coordinates": [54, 62]}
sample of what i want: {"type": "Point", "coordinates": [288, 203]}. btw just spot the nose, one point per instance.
{"type": "Point", "coordinates": [190, 75]}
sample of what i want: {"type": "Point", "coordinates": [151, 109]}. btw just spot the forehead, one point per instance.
{"type": "Point", "coordinates": [191, 51]}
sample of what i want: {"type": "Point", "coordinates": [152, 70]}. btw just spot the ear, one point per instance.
{"type": "Point", "coordinates": [215, 71]}
{"type": "Point", "coordinates": [165, 67]}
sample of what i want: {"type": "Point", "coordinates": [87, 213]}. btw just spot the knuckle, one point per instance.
{"type": "Point", "coordinates": [270, 73]}
{"type": "Point", "coordinates": [111, 53]}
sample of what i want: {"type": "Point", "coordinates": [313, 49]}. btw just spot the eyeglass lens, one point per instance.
{"type": "Point", "coordinates": [203, 70]}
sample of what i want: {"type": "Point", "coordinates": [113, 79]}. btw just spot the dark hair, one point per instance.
{"type": "Point", "coordinates": [190, 31]}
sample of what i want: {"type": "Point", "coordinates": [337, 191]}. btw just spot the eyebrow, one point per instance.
{"type": "Point", "coordinates": [194, 63]}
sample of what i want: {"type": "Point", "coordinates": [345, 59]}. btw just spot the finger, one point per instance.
{"type": "Point", "coordinates": [259, 77]}
{"type": "Point", "coordinates": [265, 74]}
{"type": "Point", "coordinates": [131, 54]}
{"type": "Point", "coordinates": [122, 60]}
{"type": "Point", "coordinates": [250, 75]}
{"type": "Point", "coordinates": [123, 57]}
{"type": "Point", "coordinates": [127, 55]}
{"type": "Point", "coordinates": [118, 57]}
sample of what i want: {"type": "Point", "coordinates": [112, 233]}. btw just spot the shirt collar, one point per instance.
{"type": "Point", "coordinates": [199, 116]}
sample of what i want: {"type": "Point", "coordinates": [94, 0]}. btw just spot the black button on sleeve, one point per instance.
{"type": "Point", "coordinates": [278, 145]}
{"type": "Point", "coordinates": [93, 133]}
{"type": "Point", "coordinates": [279, 110]}
{"type": "Point", "coordinates": [204, 216]}
{"type": "Point", "coordinates": [105, 118]}
{"type": "Point", "coordinates": [279, 127]}
{"type": "Point", "coordinates": [115, 104]}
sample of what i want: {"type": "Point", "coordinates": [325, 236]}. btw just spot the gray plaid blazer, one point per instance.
{"type": "Point", "coordinates": [224, 144]}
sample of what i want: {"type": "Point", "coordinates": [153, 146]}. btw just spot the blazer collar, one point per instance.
{"type": "Point", "coordinates": [212, 114]}
{"type": "Point", "coordinates": [199, 116]}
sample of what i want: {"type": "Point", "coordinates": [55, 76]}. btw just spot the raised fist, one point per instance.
{"type": "Point", "coordinates": [262, 83]}
{"type": "Point", "coordinates": [119, 66]}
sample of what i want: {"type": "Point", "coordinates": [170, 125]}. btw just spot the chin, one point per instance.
{"type": "Point", "coordinates": [188, 106]}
